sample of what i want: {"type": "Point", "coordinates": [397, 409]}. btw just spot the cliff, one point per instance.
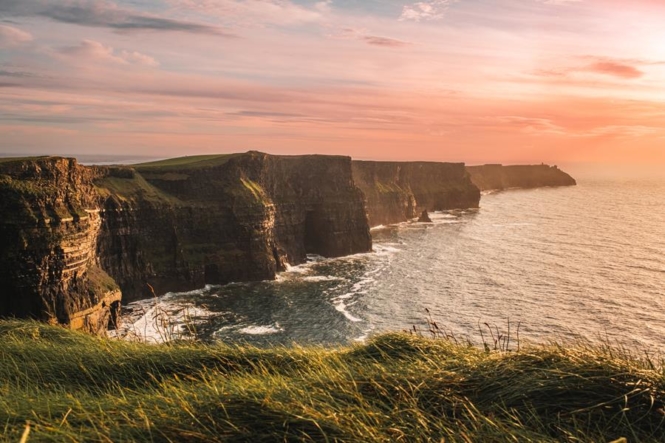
{"type": "Point", "coordinates": [183, 223]}
{"type": "Point", "coordinates": [497, 177]}
{"type": "Point", "coordinates": [75, 241]}
{"type": "Point", "coordinates": [49, 230]}
{"type": "Point", "coordinates": [399, 191]}
{"type": "Point", "coordinates": [73, 237]}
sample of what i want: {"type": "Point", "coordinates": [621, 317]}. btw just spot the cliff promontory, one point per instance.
{"type": "Point", "coordinates": [400, 191]}
{"type": "Point", "coordinates": [498, 177]}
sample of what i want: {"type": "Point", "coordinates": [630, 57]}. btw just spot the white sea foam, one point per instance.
{"type": "Point", "coordinates": [341, 307]}
{"type": "Point", "coordinates": [262, 329]}
{"type": "Point", "coordinates": [383, 249]}
{"type": "Point", "coordinates": [322, 278]}
{"type": "Point", "coordinates": [161, 322]}
{"type": "Point", "coordinates": [298, 269]}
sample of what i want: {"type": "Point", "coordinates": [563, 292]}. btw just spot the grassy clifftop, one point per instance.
{"type": "Point", "coordinates": [73, 387]}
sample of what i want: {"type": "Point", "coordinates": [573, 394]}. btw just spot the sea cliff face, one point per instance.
{"type": "Point", "coordinates": [73, 238]}
{"type": "Point", "coordinates": [399, 191]}
{"type": "Point", "coordinates": [232, 218]}
{"type": "Point", "coordinates": [75, 241]}
{"type": "Point", "coordinates": [498, 177]}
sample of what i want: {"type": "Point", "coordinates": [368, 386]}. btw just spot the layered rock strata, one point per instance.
{"type": "Point", "coordinates": [400, 191]}
{"type": "Point", "coordinates": [498, 177]}
{"type": "Point", "coordinates": [49, 229]}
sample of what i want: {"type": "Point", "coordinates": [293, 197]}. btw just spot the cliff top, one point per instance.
{"type": "Point", "coordinates": [414, 162]}
{"type": "Point", "coordinates": [20, 159]}
{"type": "Point", "coordinates": [188, 162]}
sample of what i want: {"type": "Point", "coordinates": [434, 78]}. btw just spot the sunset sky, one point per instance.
{"type": "Point", "coordinates": [510, 81]}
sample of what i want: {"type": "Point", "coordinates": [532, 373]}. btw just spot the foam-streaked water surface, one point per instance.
{"type": "Point", "coordinates": [564, 262]}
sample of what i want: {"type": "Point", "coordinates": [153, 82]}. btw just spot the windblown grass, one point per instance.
{"type": "Point", "coordinates": [72, 387]}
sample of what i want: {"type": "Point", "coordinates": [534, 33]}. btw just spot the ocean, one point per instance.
{"type": "Point", "coordinates": [554, 264]}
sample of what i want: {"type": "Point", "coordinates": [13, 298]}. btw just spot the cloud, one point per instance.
{"type": "Point", "coordinates": [619, 68]}
{"type": "Point", "coordinates": [374, 40]}
{"type": "Point", "coordinates": [10, 36]}
{"type": "Point", "coordinates": [428, 10]}
{"type": "Point", "coordinates": [101, 13]}
{"type": "Point", "coordinates": [628, 131]}
{"type": "Point", "coordinates": [384, 41]}
{"type": "Point", "coordinates": [257, 12]}
{"type": "Point", "coordinates": [16, 74]}
{"type": "Point", "coordinates": [530, 125]}
{"type": "Point", "coordinates": [615, 69]}
{"type": "Point", "coordinates": [90, 50]}
{"type": "Point", "coordinates": [559, 2]}
{"type": "Point", "coordinates": [545, 126]}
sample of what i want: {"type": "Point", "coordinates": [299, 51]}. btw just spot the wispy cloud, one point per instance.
{"type": "Point", "coordinates": [615, 69]}
{"type": "Point", "coordinates": [364, 36]}
{"type": "Point", "coordinates": [427, 10]}
{"type": "Point", "coordinates": [256, 12]}
{"type": "Point", "coordinates": [11, 36]}
{"type": "Point", "coordinates": [559, 2]}
{"type": "Point", "coordinates": [90, 50]}
{"type": "Point", "coordinates": [626, 69]}
{"type": "Point", "coordinates": [101, 13]}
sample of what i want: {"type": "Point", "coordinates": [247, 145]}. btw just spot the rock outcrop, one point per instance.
{"type": "Point", "coordinates": [49, 229]}
{"type": "Point", "coordinates": [399, 191]}
{"type": "Point", "coordinates": [498, 177]}
{"type": "Point", "coordinates": [424, 217]}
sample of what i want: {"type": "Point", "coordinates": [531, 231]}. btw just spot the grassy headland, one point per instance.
{"type": "Point", "coordinates": [73, 387]}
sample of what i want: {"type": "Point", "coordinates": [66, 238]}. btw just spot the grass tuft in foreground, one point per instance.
{"type": "Point", "coordinates": [72, 387]}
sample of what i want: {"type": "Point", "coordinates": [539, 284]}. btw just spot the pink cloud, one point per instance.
{"type": "Point", "coordinates": [11, 36]}
{"type": "Point", "coordinates": [427, 10]}
{"type": "Point", "coordinates": [257, 12]}
{"type": "Point", "coordinates": [619, 68]}
{"type": "Point", "coordinates": [374, 40]}
{"type": "Point", "coordinates": [92, 50]}
{"type": "Point", "coordinates": [615, 69]}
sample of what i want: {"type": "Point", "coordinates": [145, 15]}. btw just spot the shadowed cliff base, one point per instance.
{"type": "Point", "coordinates": [67, 386]}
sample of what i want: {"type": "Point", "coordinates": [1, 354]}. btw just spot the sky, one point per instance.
{"type": "Point", "coordinates": [479, 81]}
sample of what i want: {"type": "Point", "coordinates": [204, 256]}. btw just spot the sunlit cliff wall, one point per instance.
{"type": "Point", "coordinates": [399, 191]}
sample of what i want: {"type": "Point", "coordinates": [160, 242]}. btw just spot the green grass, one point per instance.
{"type": "Point", "coordinates": [131, 189]}
{"type": "Point", "coordinates": [20, 159]}
{"type": "Point", "coordinates": [73, 387]}
{"type": "Point", "coordinates": [190, 162]}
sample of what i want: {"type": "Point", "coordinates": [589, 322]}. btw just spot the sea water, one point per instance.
{"type": "Point", "coordinates": [584, 262]}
